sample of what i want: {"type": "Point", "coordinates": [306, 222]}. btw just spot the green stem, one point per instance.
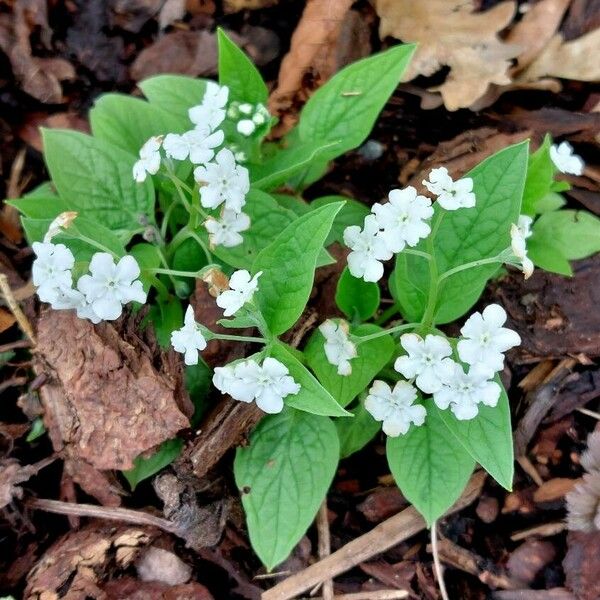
{"type": "Point", "coordinates": [386, 315]}
{"type": "Point", "coordinates": [424, 255]}
{"type": "Point", "coordinates": [239, 338]}
{"type": "Point", "coordinates": [365, 338]}
{"type": "Point", "coordinates": [95, 244]}
{"type": "Point", "coordinates": [471, 265]}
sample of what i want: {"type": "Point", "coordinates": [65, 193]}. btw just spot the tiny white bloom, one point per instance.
{"type": "Point", "coordinates": [197, 144]}
{"type": "Point", "coordinates": [425, 359]}
{"type": "Point", "coordinates": [368, 249]}
{"type": "Point", "coordinates": [395, 407]}
{"type": "Point", "coordinates": [463, 392]}
{"type": "Point", "coordinates": [149, 161]}
{"type": "Point", "coordinates": [223, 181]}
{"type": "Point", "coordinates": [565, 160]}
{"type": "Point", "coordinates": [189, 339]}
{"type": "Point", "coordinates": [111, 285]}
{"type": "Point", "coordinates": [518, 243]}
{"type": "Point", "coordinates": [226, 230]}
{"type": "Point", "coordinates": [51, 269]}
{"type": "Point", "coordinates": [246, 381]}
{"type": "Point", "coordinates": [61, 222]}
{"type": "Point", "coordinates": [246, 127]}
{"type": "Point", "coordinates": [242, 287]}
{"type": "Point", "coordinates": [485, 340]}
{"type": "Point", "coordinates": [259, 119]}
{"type": "Point", "coordinates": [402, 218]}
{"type": "Point", "coordinates": [524, 223]}
{"type": "Point", "coordinates": [451, 194]}
{"type": "Point", "coordinates": [211, 111]}
{"type": "Point", "coordinates": [339, 350]}
{"type": "Point", "coordinates": [246, 108]}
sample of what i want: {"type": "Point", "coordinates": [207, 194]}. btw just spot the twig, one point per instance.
{"type": "Point", "coordinates": [15, 309]}
{"type": "Point", "coordinates": [530, 469]}
{"type": "Point", "coordinates": [15, 345]}
{"type": "Point", "coordinates": [324, 548]}
{"type": "Point", "coordinates": [589, 413]}
{"type": "Point", "coordinates": [391, 532]}
{"type": "Point", "coordinates": [126, 515]}
{"type": "Point", "coordinates": [439, 572]}
{"type": "Point", "coordinates": [375, 595]}
{"type": "Point", "coordinates": [545, 530]}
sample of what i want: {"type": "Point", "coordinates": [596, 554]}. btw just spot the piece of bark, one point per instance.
{"type": "Point", "coordinates": [582, 564]}
{"type": "Point", "coordinates": [111, 397]}
{"type": "Point", "coordinates": [529, 559]}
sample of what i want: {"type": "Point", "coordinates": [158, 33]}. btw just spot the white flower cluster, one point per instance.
{"type": "Point", "coordinates": [223, 183]}
{"type": "Point", "coordinates": [189, 340]}
{"type": "Point", "coordinates": [251, 116]}
{"type": "Point", "coordinates": [565, 160]}
{"type": "Point", "coordinates": [402, 222]}
{"type": "Point", "coordinates": [267, 384]}
{"type": "Point", "coordinates": [428, 363]}
{"type": "Point", "coordinates": [339, 350]}
{"type": "Point", "coordinates": [99, 295]}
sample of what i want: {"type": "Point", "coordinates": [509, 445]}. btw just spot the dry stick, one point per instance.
{"type": "Point", "coordinates": [545, 530]}
{"type": "Point", "coordinates": [376, 595]}
{"type": "Point", "coordinates": [15, 309]}
{"type": "Point", "coordinates": [324, 548]}
{"type": "Point", "coordinates": [126, 515]}
{"type": "Point", "coordinates": [391, 532]}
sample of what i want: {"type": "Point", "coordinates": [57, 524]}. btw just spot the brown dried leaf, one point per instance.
{"type": "Point", "coordinates": [158, 564]}
{"type": "Point", "coordinates": [116, 404]}
{"type": "Point", "coordinates": [233, 6]}
{"type": "Point", "coordinates": [171, 11]}
{"type": "Point", "coordinates": [567, 60]}
{"type": "Point", "coordinates": [7, 320]}
{"type": "Point", "coordinates": [129, 588]}
{"type": "Point", "coordinates": [450, 33]}
{"type": "Point", "coordinates": [554, 489]}
{"type": "Point", "coordinates": [529, 559]}
{"type": "Point", "coordinates": [74, 565]}
{"type": "Point", "coordinates": [582, 564]}
{"type": "Point", "coordinates": [12, 474]}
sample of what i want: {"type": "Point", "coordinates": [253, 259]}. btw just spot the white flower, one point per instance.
{"type": "Point", "coordinates": [242, 288]}
{"type": "Point", "coordinates": [189, 339]}
{"type": "Point", "coordinates": [564, 160]}
{"type": "Point", "coordinates": [268, 384]}
{"type": "Point", "coordinates": [368, 248]}
{"type": "Point", "coordinates": [425, 359]}
{"type": "Point", "coordinates": [197, 144]}
{"type": "Point", "coordinates": [338, 348]}
{"type": "Point", "coordinates": [395, 407]}
{"type": "Point", "coordinates": [223, 181]}
{"type": "Point", "coordinates": [226, 230]}
{"type": "Point", "coordinates": [402, 218]}
{"type": "Point", "coordinates": [111, 285]}
{"type": "Point", "coordinates": [149, 161]}
{"type": "Point", "coordinates": [51, 269]}
{"type": "Point", "coordinates": [485, 339]}
{"type": "Point", "coordinates": [518, 235]}
{"type": "Point", "coordinates": [246, 127]}
{"type": "Point", "coordinates": [462, 392]}
{"type": "Point", "coordinates": [451, 194]}
{"type": "Point", "coordinates": [59, 223]}
{"type": "Point", "coordinates": [246, 108]}
{"type": "Point", "coordinates": [212, 110]}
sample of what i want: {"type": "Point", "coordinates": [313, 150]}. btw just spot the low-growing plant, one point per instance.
{"type": "Point", "coordinates": [182, 186]}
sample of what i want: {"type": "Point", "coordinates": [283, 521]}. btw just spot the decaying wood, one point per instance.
{"type": "Point", "coordinates": [382, 537]}
{"type": "Point", "coordinates": [324, 546]}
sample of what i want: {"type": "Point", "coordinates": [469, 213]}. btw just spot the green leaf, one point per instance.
{"type": "Point", "coordinates": [550, 202]}
{"type": "Point", "coordinates": [430, 466]}
{"type": "Point", "coordinates": [166, 316]}
{"type": "Point", "coordinates": [372, 357]}
{"type": "Point", "coordinates": [198, 379]}
{"type": "Point", "coordinates": [288, 162]}
{"type": "Point", "coordinates": [283, 476]}
{"type": "Point", "coordinates": [487, 438]}
{"type": "Point", "coordinates": [95, 178]}
{"type": "Point", "coordinates": [346, 107]}
{"type": "Point", "coordinates": [466, 235]}
{"type": "Point", "coordinates": [356, 433]}
{"type": "Point", "coordinates": [352, 213]}
{"type": "Point", "coordinates": [356, 298]}
{"type": "Point", "coordinates": [146, 467]}
{"type": "Point", "coordinates": [574, 233]}
{"type": "Point", "coordinates": [312, 397]}
{"type": "Point", "coordinates": [39, 207]}
{"type": "Point", "coordinates": [37, 430]}
{"type": "Point", "coordinates": [288, 266]}
{"type": "Point", "coordinates": [237, 72]}
{"type": "Point", "coordinates": [174, 93]}
{"type": "Point", "coordinates": [540, 177]}
{"type": "Point", "coordinates": [128, 122]}
{"type": "Point", "coordinates": [148, 257]}
{"type": "Point", "coordinates": [547, 257]}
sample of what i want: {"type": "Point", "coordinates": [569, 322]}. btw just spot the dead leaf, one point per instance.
{"type": "Point", "coordinates": [584, 16]}
{"type": "Point", "coordinates": [536, 29]}
{"type": "Point", "coordinates": [158, 564]}
{"type": "Point", "coordinates": [75, 565]}
{"type": "Point", "coordinates": [529, 559]}
{"type": "Point", "coordinates": [382, 504]}
{"type": "Point", "coordinates": [312, 51]}
{"type": "Point", "coordinates": [582, 564]}
{"type": "Point", "coordinates": [449, 33]}
{"type": "Point", "coordinates": [30, 130]}
{"type": "Point", "coordinates": [132, 15]}
{"type": "Point", "coordinates": [186, 52]}
{"type": "Point", "coordinates": [554, 489]}
{"type": "Point", "coordinates": [7, 320]}
{"type": "Point", "coordinates": [233, 6]}
{"type": "Point", "coordinates": [567, 60]}
{"type": "Point", "coordinates": [129, 588]}
{"type": "Point", "coordinates": [171, 11]}
{"type": "Point", "coordinates": [12, 474]}
{"type": "Point", "coordinates": [115, 403]}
